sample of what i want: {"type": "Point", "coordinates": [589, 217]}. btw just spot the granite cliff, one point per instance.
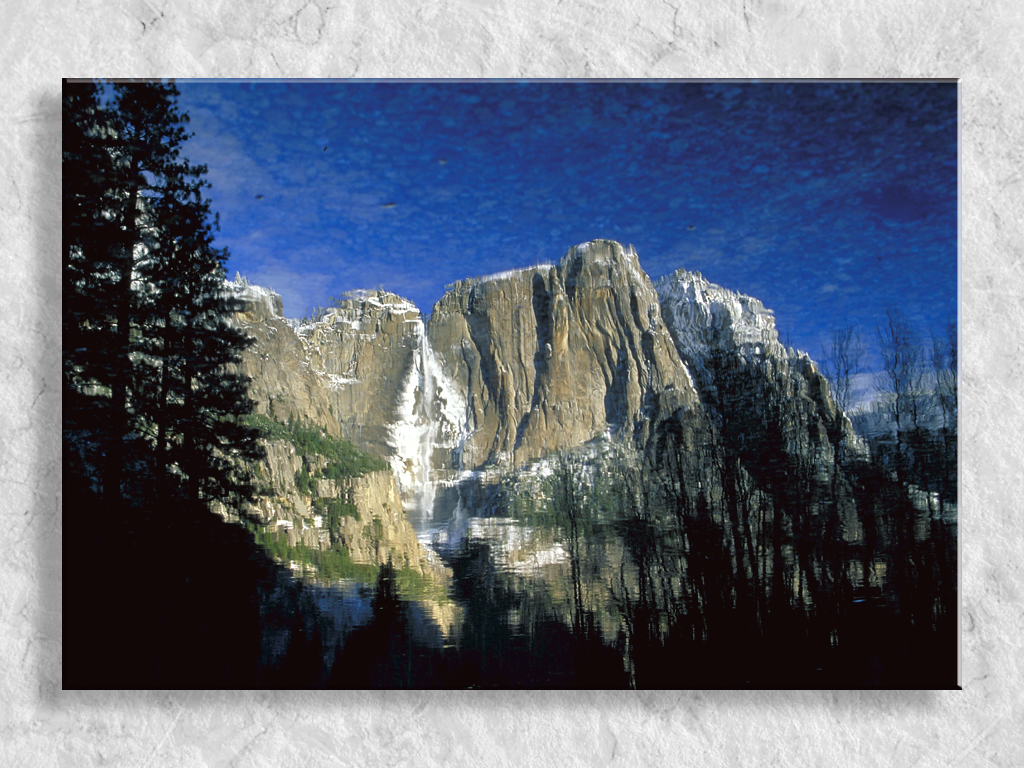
{"type": "Point", "coordinates": [517, 366]}
{"type": "Point", "coordinates": [767, 401]}
{"type": "Point", "coordinates": [615, 394]}
{"type": "Point", "coordinates": [282, 383]}
{"type": "Point", "coordinates": [316, 493]}
{"type": "Point", "coordinates": [550, 357]}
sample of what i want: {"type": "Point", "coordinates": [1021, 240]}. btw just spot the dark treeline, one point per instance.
{"type": "Point", "coordinates": [911, 430]}
{"type": "Point", "coordinates": [148, 387]}
{"type": "Point", "coordinates": [810, 562]}
{"type": "Point", "coordinates": [810, 583]}
{"type": "Point", "coordinates": [159, 592]}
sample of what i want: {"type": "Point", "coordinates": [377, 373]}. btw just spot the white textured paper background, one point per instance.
{"type": "Point", "coordinates": [979, 41]}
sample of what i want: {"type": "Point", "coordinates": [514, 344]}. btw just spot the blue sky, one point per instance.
{"type": "Point", "coordinates": [827, 201]}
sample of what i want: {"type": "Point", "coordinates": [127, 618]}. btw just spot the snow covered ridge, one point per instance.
{"type": "Point", "coordinates": [508, 274]}
{"type": "Point", "coordinates": [355, 306]}
{"type": "Point", "coordinates": [605, 253]}
{"type": "Point", "coordinates": [262, 304]}
{"type": "Point", "coordinates": [607, 258]}
{"type": "Point", "coordinates": [598, 250]}
{"type": "Point", "coordinates": [379, 299]}
{"type": "Point", "coordinates": [243, 289]}
{"type": "Point", "coordinates": [355, 310]}
{"type": "Point", "coordinates": [705, 317]}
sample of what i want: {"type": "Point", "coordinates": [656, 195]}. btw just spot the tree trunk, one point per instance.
{"type": "Point", "coordinates": [119, 389]}
{"type": "Point", "coordinates": [163, 414]}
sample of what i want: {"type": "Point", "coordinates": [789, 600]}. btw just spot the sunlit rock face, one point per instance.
{"type": "Point", "coordinates": [282, 383]}
{"type": "Point", "coordinates": [515, 366]}
{"type": "Point", "coordinates": [348, 373]}
{"type": "Point", "coordinates": [386, 390]}
{"type": "Point", "coordinates": [377, 533]}
{"type": "Point", "coordinates": [381, 532]}
{"type": "Point", "coordinates": [362, 351]}
{"type": "Point", "coordinates": [768, 401]}
{"type": "Point", "coordinates": [363, 370]}
{"type": "Point", "coordinates": [551, 357]}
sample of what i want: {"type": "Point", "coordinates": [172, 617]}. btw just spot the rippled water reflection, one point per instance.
{"type": "Point", "coordinates": [610, 589]}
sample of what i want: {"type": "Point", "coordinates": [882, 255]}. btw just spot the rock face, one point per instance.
{"type": "Point", "coordinates": [363, 371]}
{"type": "Point", "coordinates": [705, 319]}
{"type": "Point", "coordinates": [378, 531]}
{"type": "Point", "coordinates": [354, 362]}
{"type": "Point", "coordinates": [551, 357]}
{"type": "Point", "coordinates": [362, 352]}
{"type": "Point", "coordinates": [645, 413]}
{"type": "Point", "coordinates": [762, 397]}
{"type": "Point", "coordinates": [515, 366]}
{"type": "Point", "coordinates": [283, 385]}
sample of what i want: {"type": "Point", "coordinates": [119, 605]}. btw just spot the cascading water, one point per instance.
{"type": "Point", "coordinates": [428, 436]}
{"type": "Point", "coordinates": [426, 421]}
{"type": "Point", "coordinates": [414, 435]}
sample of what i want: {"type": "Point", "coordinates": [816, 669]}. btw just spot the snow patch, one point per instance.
{"type": "Point", "coordinates": [511, 273]}
{"type": "Point", "coordinates": [707, 318]}
{"type": "Point", "coordinates": [337, 382]}
{"type": "Point", "coordinates": [516, 547]}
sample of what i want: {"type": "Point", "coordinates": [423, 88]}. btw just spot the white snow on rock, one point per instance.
{"type": "Point", "coordinates": [432, 415]}
{"type": "Point", "coordinates": [706, 318]}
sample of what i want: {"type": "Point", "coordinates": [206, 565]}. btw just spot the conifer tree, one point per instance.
{"type": "Point", "coordinates": [88, 255]}
{"type": "Point", "coordinates": [152, 285]}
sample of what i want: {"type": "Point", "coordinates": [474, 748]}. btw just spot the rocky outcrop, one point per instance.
{"type": "Point", "coordinates": [363, 351]}
{"type": "Point", "coordinates": [347, 374]}
{"type": "Point", "coordinates": [362, 370]}
{"type": "Point", "coordinates": [515, 366]}
{"type": "Point", "coordinates": [387, 392]}
{"type": "Point", "coordinates": [381, 532]}
{"type": "Point", "coordinates": [280, 505]}
{"type": "Point", "coordinates": [765, 399]}
{"type": "Point", "coordinates": [705, 319]}
{"type": "Point", "coordinates": [648, 415]}
{"type": "Point", "coordinates": [374, 531]}
{"type": "Point", "coordinates": [283, 384]}
{"type": "Point", "coordinates": [550, 357]}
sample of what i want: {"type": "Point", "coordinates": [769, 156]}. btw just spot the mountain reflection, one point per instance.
{"type": "Point", "coordinates": [600, 582]}
{"type": "Point", "coordinates": [577, 574]}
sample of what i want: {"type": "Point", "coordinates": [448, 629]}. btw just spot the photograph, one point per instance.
{"type": "Point", "coordinates": [510, 384]}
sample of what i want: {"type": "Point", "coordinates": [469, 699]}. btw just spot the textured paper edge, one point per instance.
{"type": "Point", "coordinates": [42, 725]}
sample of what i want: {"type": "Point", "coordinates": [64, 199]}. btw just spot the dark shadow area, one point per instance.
{"type": "Point", "coordinates": [544, 322]}
{"type": "Point", "coordinates": [167, 599]}
{"type": "Point", "coordinates": [162, 597]}
{"type": "Point", "coordinates": [800, 602]}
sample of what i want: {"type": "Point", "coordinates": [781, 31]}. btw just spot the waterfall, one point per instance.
{"type": "Point", "coordinates": [431, 420]}
{"type": "Point", "coordinates": [426, 420]}
{"type": "Point", "coordinates": [414, 434]}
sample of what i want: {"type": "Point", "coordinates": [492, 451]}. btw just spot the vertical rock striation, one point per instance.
{"type": "Point", "coordinates": [346, 374]}
{"type": "Point", "coordinates": [553, 356]}
{"type": "Point", "coordinates": [362, 370]}
{"type": "Point", "coordinates": [514, 366]}
{"type": "Point", "coordinates": [283, 385]}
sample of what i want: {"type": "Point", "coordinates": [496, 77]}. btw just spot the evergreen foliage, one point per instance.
{"type": "Point", "coordinates": [335, 509]}
{"type": "Point", "coordinates": [149, 356]}
{"type": "Point", "coordinates": [344, 459]}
